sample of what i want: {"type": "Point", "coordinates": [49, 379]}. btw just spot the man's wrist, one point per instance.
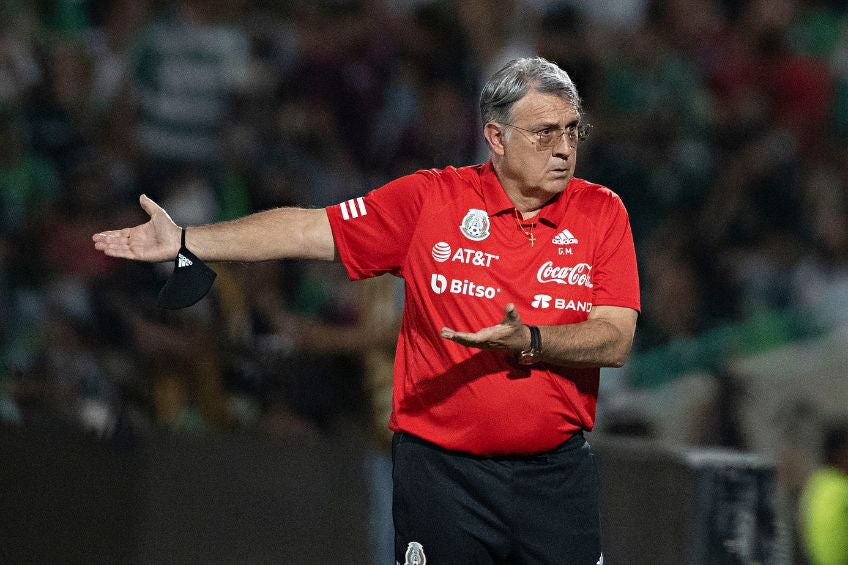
{"type": "Point", "coordinates": [182, 239]}
{"type": "Point", "coordinates": [533, 353]}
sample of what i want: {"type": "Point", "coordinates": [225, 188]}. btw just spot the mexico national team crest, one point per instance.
{"type": "Point", "coordinates": [415, 554]}
{"type": "Point", "coordinates": [475, 225]}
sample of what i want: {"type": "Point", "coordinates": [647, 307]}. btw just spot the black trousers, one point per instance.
{"type": "Point", "coordinates": [452, 508]}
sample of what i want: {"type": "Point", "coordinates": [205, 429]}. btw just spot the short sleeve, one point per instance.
{"type": "Point", "coordinates": [372, 232]}
{"type": "Point", "coordinates": [615, 276]}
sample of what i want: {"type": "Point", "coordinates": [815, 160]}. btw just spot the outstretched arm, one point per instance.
{"type": "Point", "coordinates": [604, 340]}
{"type": "Point", "coordinates": [280, 233]}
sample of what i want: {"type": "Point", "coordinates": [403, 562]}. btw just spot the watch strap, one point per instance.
{"type": "Point", "coordinates": [535, 339]}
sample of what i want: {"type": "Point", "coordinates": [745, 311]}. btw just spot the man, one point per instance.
{"type": "Point", "coordinates": [824, 502]}
{"type": "Point", "coordinates": [490, 463]}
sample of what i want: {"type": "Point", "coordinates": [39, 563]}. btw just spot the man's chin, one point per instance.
{"type": "Point", "coordinates": [557, 184]}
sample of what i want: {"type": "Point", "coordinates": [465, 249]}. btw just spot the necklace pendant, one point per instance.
{"type": "Point", "coordinates": [532, 239]}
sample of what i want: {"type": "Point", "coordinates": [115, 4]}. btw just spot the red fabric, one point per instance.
{"type": "Point", "coordinates": [469, 399]}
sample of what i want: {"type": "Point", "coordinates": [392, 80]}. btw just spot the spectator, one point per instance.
{"type": "Point", "coordinates": [824, 502]}
{"type": "Point", "coordinates": [187, 68]}
{"type": "Point", "coordinates": [28, 181]}
{"type": "Point", "coordinates": [820, 278]}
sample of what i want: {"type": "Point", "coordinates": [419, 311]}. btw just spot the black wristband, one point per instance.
{"type": "Point", "coordinates": [534, 354]}
{"type": "Point", "coordinates": [535, 339]}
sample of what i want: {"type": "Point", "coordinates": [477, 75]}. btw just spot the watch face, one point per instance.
{"type": "Point", "coordinates": [529, 357]}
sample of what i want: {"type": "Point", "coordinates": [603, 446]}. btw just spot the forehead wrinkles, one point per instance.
{"type": "Point", "coordinates": [544, 108]}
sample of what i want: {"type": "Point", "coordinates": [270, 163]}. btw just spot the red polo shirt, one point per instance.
{"type": "Point", "coordinates": [452, 235]}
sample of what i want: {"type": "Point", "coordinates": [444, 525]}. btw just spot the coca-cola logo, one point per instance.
{"type": "Point", "coordinates": [578, 275]}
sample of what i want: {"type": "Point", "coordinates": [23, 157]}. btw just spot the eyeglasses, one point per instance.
{"type": "Point", "coordinates": [549, 137]}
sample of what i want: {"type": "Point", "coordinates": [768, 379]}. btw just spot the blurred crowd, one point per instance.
{"type": "Point", "coordinates": [722, 124]}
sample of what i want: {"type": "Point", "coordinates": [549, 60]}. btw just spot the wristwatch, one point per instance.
{"type": "Point", "coordinates": [534, 354]}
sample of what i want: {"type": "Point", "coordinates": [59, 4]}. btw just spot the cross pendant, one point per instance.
{"type": "Point", "coordinates": [532, 239]}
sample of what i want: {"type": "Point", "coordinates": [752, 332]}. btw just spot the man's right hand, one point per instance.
{"type": "Point", "coordinates": [156, 240]}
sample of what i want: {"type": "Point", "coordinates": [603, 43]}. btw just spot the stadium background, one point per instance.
{"type": "Point", "coordinates": [723, 125]}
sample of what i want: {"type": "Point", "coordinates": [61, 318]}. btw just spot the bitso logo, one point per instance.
{"type": "Point", "coordinates": [541, 301]}
{"type": "Point", "coordinates": [441, 252]}
{"type": "Point", "coordinates": [440, 284]}
{"type": "Point", "coordinates": [475, 225]}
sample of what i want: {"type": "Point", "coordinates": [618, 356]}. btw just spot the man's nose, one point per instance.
{"type": "Point", "coordinates": [563, 146]}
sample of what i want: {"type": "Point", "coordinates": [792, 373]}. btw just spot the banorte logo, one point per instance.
{"type": "Point", "coordinates": [578, 275]}
{"type": "Point", "coordinates": [541, 301]}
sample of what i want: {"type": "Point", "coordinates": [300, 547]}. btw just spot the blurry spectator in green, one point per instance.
{"type": "Point", "coordinates": [824, 503]}
{"type": "Point", "coordinates": [188, 65]}
{"type": "Point", "coordinates": [27, 181]}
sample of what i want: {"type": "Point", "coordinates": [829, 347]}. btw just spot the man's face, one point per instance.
{"type": "Point", "coordinates": [533, 168]}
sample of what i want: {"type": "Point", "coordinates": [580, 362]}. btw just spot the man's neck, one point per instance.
{"type": "Point", "coordinates": [527, 200]}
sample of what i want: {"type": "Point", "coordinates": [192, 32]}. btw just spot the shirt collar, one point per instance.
{"type": "Point", "coordinates": [497, 202]}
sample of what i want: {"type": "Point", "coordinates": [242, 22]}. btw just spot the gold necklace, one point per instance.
{"type": "Point", "coordinates": [529, 234]}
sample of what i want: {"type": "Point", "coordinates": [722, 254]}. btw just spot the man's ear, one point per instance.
{"type": "Point", "coordinates": [494, 137]}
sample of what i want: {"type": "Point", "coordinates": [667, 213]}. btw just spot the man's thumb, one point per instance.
{"type": "Point", "coordinates": [512, 316]}
{"type": "Point", "coordinates": [148, 205]}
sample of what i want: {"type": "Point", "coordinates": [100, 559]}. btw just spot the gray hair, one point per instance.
{"type": "Point", "coordinates": [514, 81]}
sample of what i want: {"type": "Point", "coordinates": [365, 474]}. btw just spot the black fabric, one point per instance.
{"type": "Point", "coordinates": [189, 282]}
{"type": "Point", "coordinates": [508, 510]}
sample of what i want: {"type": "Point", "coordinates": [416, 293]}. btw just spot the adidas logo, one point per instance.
{"type": "Point", "coordinates": [564, 237]}
{"type": "Point", "coordinates": [183, 261]}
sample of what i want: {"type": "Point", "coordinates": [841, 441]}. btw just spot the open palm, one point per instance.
{"type": "Point", "coordinates": [156, 240]}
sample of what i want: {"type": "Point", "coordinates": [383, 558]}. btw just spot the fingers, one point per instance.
{"type": "Point", "coordinates": [114, 243]}
{"type": "Point", "coordinates": [448, 333]}
{"type": "Point", "coordinates": [462, 338]}
{"type": "Point", "coordinates": [108, 238]}
{"type": "Point", "coordinates": [143, 242]}
{"type": "Point", "coordinates": [506, 335]}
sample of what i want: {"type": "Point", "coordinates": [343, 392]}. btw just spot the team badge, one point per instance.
{"type": "Point", "coordinates": [475, 225]}
{"type": "Point", "coordinates": [415, 554]}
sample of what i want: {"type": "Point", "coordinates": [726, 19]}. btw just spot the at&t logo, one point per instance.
{"type": "Point", "coordinates": [442, 252]}
{"type": "Point", "coordinates": [440, 284]}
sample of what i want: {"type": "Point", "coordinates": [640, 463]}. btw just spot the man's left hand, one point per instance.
{"type": "Point", "coordinates": [511, 334]}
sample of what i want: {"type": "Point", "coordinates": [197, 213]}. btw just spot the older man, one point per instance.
{"type": "Point", "coordinates": [536, 266]}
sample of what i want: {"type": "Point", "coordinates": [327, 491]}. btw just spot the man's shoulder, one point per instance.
{"type": "Point", "coordinates": [585, 192]}
{"type": "Point", "coordinates": [453, 173]}
{"type": "Point", "coordinates": [452, 178]}
{"type": "Point", "coordinates": [588, 188]}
